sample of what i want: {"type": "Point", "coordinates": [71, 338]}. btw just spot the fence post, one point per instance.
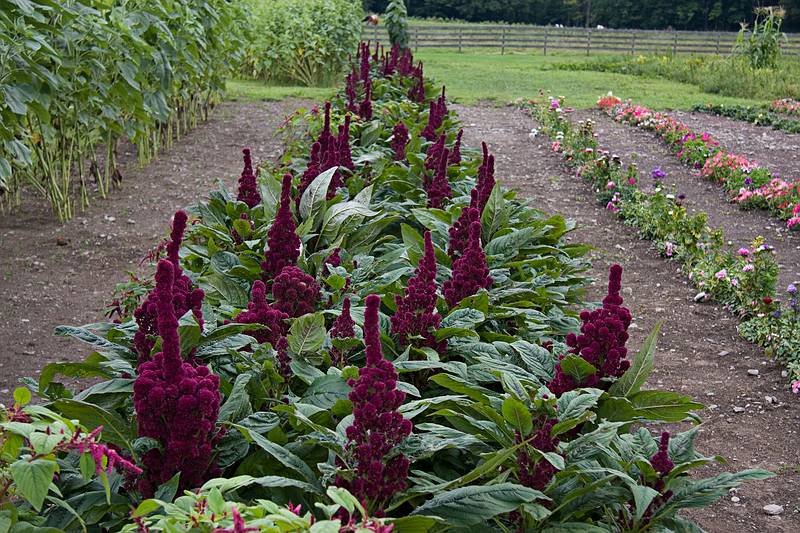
{"type": "Point", "coordinates": [503, 43]}
{"type": "Point", "coordinates": [460, 36]}
{"type": "Point", "coordinates": [718, 37]}
{"type": "Point", "coordinates": [588, 42]}
{"type": "Point", "coordinates": [633, 48]}
{"type": "Point", "coordinates": [546, 31]}
{"type": "Point", "coordinates": [375, 33]}
{"type": "Point", "coordinates": [416, 39]}
{"type": "Point", "coordinates": [674, 43]}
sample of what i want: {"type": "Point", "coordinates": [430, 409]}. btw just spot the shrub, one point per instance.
{"type": "Point", "coordinates": [301, 41]}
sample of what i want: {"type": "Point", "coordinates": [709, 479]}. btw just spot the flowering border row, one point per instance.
{"type": "Point", "coordinates": [744, 281]}
{"type": "Point", "coordinates": [750, 185]}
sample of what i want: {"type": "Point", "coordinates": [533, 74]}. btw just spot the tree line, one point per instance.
{"type": "Point", "coordinates": [722, 15]}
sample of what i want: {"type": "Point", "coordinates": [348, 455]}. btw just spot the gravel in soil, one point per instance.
{"type": "Point", "coordinates": [740, 227]}
{"type": "Point", "coordinates": [53, 274]}
{"type": "Point", "coordinates": [700, 353]}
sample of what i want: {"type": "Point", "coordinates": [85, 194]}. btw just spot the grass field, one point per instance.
{"type": "Point", "coordinates": [474, 77]}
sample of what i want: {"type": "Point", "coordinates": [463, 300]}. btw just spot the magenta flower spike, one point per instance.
{"type": "Point", "coordinates": [438, 188]}
{"type": "Point", "coordinates": [604, 333]}
{"type": "Point", "coordinates": [248, 190]}
{"type": "Point", "coordinates": [459, 231]}
{"type": "Point", "coordinates": [470, 271]}
{"type": "Point", "coordinates": [343, 328]}
{"type": "Point", "coordinates": [399, 141]}
{"type": "Point", "coordinates": [176, 404]}
{"type": "Point", "coordinates": [365, 109]}
{"type": "Point", "coordinates": [455, 154]}
{"type": "Point", "coordinates": [416, 314]}
{"type": "Point", "coordinates": [185, 297]}
{"type": "Point", "coordinates": [295, 292]}
{"type": "Point", "coordinates": [260, 312]}
{"type": "Point", "coordinates": [486, 181]}
{"type": "Point", "coordinates": [283, 244]}
{"type": "Point", "coordinates": [537, 474]}
{"type": "Point", "coordinates": [378, 427]}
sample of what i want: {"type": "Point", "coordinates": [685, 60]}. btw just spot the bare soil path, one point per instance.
{"type": "Point", "coordinates": [700, 353]}
{"type": "Point", "coordinates": [740, 227]}
{"type": "Point", "coordinates": [44, 284]}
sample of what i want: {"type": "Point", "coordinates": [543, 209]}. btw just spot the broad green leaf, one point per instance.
{"type": "Point", "coordinates": [469, 506]}
{"type": "Point", "coordinates": [632, 380]}
{"type": "Point", "coordinates": [33, 479]}
{"type": "Point", "coordinates": [307, 334]}
{"type": "Point", "coordinates": [313, 200]}
{"type": "Point", "coordinates": [516, 414]}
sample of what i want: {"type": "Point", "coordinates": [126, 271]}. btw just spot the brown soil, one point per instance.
{"type": "Point", "coordinates": [700, 353]}
{"type": "Point", "coordinates": [740, 227]}
{"type": "Point", "coordinates": [44, 284]}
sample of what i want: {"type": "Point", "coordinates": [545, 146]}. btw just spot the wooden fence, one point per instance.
{"type": "Point", "coordinates": [549, 39]}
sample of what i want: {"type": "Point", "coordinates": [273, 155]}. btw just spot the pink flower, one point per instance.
{"type": "Point", "coordinates": [610, 185]}
{"type": "Point", "coordinates": [748, 268]}
{"type": "Point", "coordinates": [734, 282]}
{"type": "Point", "coordinates": [722, 274]}
{"type": "Point", "coordinates": [470, 272]}
{"type": "Point", "coordinates": [744, 252]}
{"type": "Point", "coordinates": [796, 386]}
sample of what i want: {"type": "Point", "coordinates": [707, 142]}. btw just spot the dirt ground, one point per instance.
{"type": "Point", "coordinates": [700, 353]}
{"type": "Point", "coordinates": [44, 284]}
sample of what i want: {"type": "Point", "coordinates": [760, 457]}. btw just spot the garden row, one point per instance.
{"type": "Point", "coordinates": [372, 336]}
{"type": "Point", "coordinates": [751, 186]}
{"type": "Point", "coordinates": [744, 281]}
{"type": "Point", "coordinates": [754, 114]}
{"type": "Point", "coordinates": [80, 76]}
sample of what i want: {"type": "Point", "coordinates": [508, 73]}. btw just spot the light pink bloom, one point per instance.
{"type": "Point", "coordinates": [748, 268]}
{"type": "Point", "coordinates": [722, 274]}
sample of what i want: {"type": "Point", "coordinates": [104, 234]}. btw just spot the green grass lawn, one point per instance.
{"type": "Point", "coordinates": [504, 78]}
{"type": "Point", "coordinates": [490, 76]}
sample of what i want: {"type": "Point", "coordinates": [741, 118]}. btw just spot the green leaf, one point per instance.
{"type": "Point", "coordinates": [145, 508]}
{"type": "Point", "coordinates": [516, 414]}
{"type": "Point", "coordinates": [313, 199]}
{"type": "Point", "coordinates": [307, 334]}
{"type": "Point", "coordinates": [463, 319]}
{"type": "Point", "coordinates": [413, 524]}
{"type": "Point", "coordinates": [494, 215]}
{"type": "Point", "coordinates": [237, 406]}
{"type": "Point", "coordinates": [577, 368]}
{"type": "Point", "coordinates": [632, 380]}
{"type": "Point", "coordinates": [22, 396]}
{"type": "Point", "coordinates": [665, 406]}
{"type": "Point", "coordinates": [33, 479]}
{"type": "Point", "coordinates": [116, 430]}
{"type": "Point", "coordinates": [643, 497]}
{"type": "Point", "coordinates": [324, 392]}
{"type": "Point", "coordinates": [469, 506]}
{"type": "Point", "coordinates": [574, 403]}
{"type": "Point", "coordinates": [167, 491]}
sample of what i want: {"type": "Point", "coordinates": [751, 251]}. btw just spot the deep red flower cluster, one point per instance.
{"type": "Point", "coordinates": [351, 90]}
{"type": "Point", "coordinates": [537, 474]}
{"type": "Point", "coordinates": [459, 231]}
{"type": "Point", "coordinates": [455, 153]}
{"type": "Point", "coordinates": [433, 155]}
{"type": "Point", "coordinates": [176, 404]}
{"type": "Point", "coordinates": [416, 314]}
{"type": "Point", "coordinates": [470, 271]}
{"type": "Point", "coordinates": [378, 427]}
{"type": "Point", "coordinates": [283, 244]}
{"type": "Point", "coordinates": [185, 298]}
{"type": "Point", "coordinates": [260, 312]}
{"type": "Point", "coordinates": [327, 152]}
{"type": "Point", "coordinates": [438, 187]}
{"type": "Point", "coordinates": [365, 109]}
{"type": "Point", "coordinates": [343, 328]}
{"type": "Point", "coordinates": [602, 340]}
{"type": "Point", "coordinates": [248, 190]}
{"type": "Point", "coordinates": [436, 116]}
{"type": "Point", "coordinates": [660, 460]}
{"type": "Point", "coordinates": [486, 180]}
{"type": "Point", "coordinates": [333, 260]}
{"type": "Point", "coordinates": [399, 141]}
{"type": "Point", "coordinates": [295, 292]}
{"type": "Point", "coordinates": [238, 239]}
{"type": "Point", "coordinates": [364, 56]}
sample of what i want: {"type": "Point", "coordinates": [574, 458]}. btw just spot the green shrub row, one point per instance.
{"type": "Point", "coordinates": [76, 77]}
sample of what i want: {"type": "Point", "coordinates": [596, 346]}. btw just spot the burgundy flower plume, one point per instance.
{"type": "Point", "coordinates": [537, 474]}
{"type": "Point", "coordinates": [470, 271]}
{"type": "Point", "coordinates": [399, 141]}
{"type": "Point", "coordinates": [248, 190]}
{"type": "Point", "coordinates": [295, 292]}
{"type": "Point", "coordinates": [259, 312]}
{"type": "Point", "coordinates": [176, 404]}
{"type": "Point", "coordinates": [602, 340]}
{"type": "Point", "coordinates": [438, 188]}
{"type": "Point", "coordinates": [486, 179]}
{"type": "Point", "coordinates": [283, 244]}
{"type": "Point", "coordinates": [343, 328]}
{"type": "Point", "coordinates": [416, 314]}
{"type": "Point", "coordinates": [378, 428]}
{"type": "Point", "coordinates": [185, 298]}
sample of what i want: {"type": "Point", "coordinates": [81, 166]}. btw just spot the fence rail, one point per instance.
{"type": "Point", "coordinates": [584, 40]}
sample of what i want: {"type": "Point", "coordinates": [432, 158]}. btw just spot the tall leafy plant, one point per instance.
{"type": "Point", "coordinates": [762, 45]}
{"type": "Point", "coordinates": [397, 23]}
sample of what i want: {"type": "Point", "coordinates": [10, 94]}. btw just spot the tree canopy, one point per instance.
{"type": "Point", "coordinates": [646, 14]}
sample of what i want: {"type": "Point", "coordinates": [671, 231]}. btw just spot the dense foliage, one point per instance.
{"type": "Point", "coordinates": [433, 389]}
{"type": "Point", "coordinates": [650, 14]}
{"type": "Point", "coordinates": [76, 77]}
{"type": "Point", "coordinates": [301, 41]}
{"type": "Point", "coordinates": [396, 22]}
{"type": "Point", "coordinates": [761, 44]}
